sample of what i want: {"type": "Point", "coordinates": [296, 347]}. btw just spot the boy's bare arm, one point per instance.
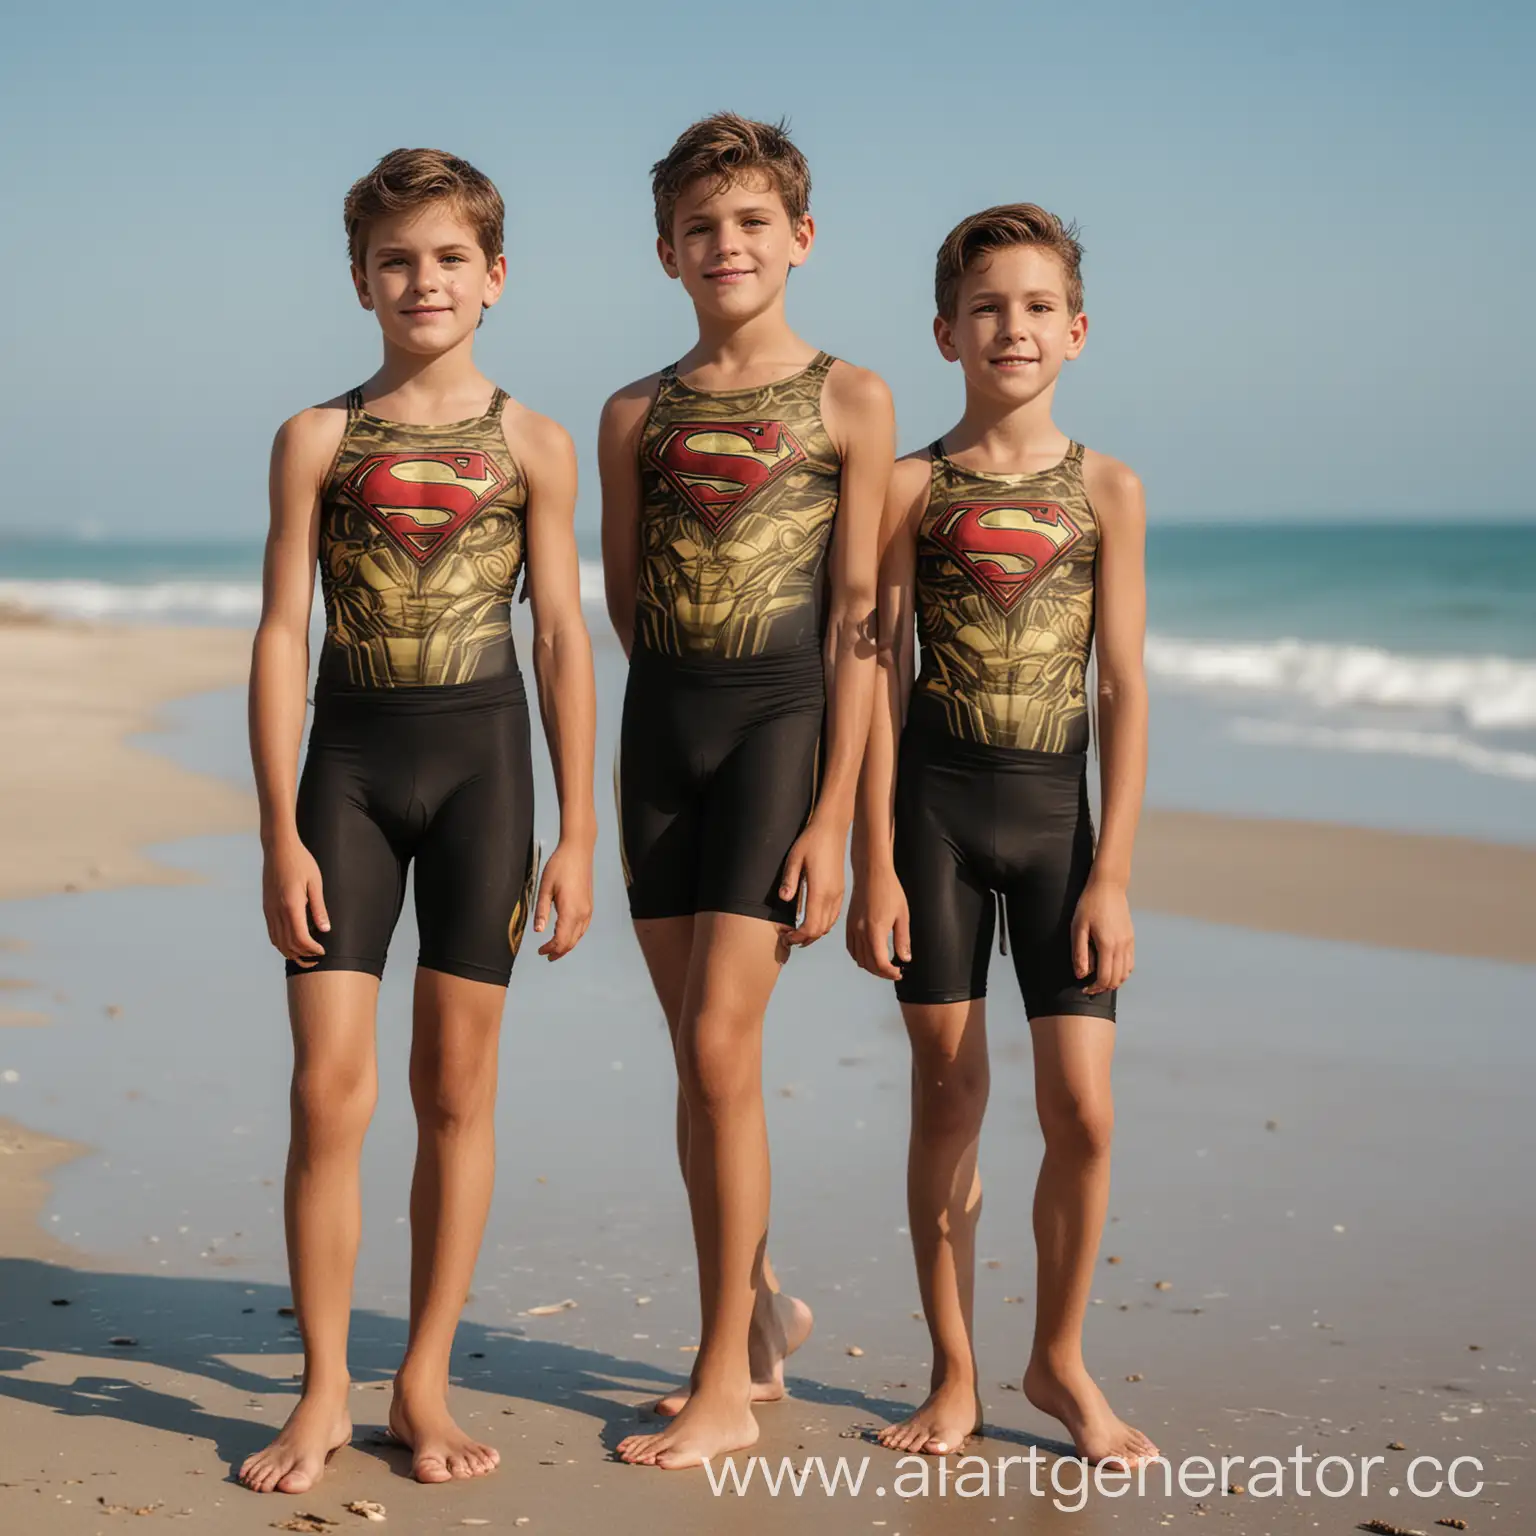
{"type": "Point", "coordinates": [1120, 621]}
{"type": "Point", "coordinates": [618, 464]}
{"type": "Point", "coordinates": [301, 456]}
{"type": "Point", "coordinates": [877, 917]}
{"type": "Point", "coordinates": [862, 423]}
{"type": "Point", "coordinates": [562, 669]}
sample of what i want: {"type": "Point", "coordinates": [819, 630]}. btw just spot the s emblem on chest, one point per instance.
{"type": "Point", "coordinates": [1005, 547]}
{"type": "Point", "coordinates": [719, 467]}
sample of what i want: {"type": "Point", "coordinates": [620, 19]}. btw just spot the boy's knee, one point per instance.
{"type": "Point", "coordinates": [334, 1099]}
{"type": "Point", "coordinates": [951, 1097]}
{"type": "Point", "coordinates": [717, 1065]}
{"type": "Point", "coordinates": [451, 1099]}
{"type": "Point", "coordinates": [1077, 1127]}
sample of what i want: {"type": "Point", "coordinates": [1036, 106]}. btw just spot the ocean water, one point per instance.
{"type": "Point", "coordinates": [1372, 672]}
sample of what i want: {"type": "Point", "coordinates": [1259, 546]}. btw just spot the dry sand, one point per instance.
{"type": "Point", "coordinates": [93, 1433]}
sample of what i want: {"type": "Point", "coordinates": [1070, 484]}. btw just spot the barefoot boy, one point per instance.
{"type": "Point", "coordinates": [742, 497]}
{"type": "Point", "coordinates": [1019, 549]}
{"type": "Point", "coordinates": [419, 492]}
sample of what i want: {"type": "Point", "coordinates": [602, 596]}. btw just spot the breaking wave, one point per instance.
{"type": "Point", "coordinates": [1484, 692]}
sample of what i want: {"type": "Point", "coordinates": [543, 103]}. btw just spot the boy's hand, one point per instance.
{"type": "Point", "coordinates": [816, 857]}
{"type": "Point", "coordinates": [291, 894]}
{"type": "Point", "coordinates": [1102, 928]}
{"type": "Point", "coordinates": [878, 924]}
{"type": "Point", "coordinates": [567, 887]}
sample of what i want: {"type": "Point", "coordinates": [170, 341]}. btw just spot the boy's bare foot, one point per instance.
{"type": "Point", "coordinates": [778, 1330]}
{"type": "Point", "coordinates": [1096, 1430]}
{"type": "Point", "coordinates": [708, 1425]}
{"type": "Point", "coordinates": [440, 1450]}
{"type": "Point", "coordinates": [316, 1429]}
{"type": "Point", "coordinates": [943, 1423]}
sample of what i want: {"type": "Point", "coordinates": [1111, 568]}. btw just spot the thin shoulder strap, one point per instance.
{"type": "Point", "coordinates": [820, 365]}
{"type": "Point", "coordinates": [499, 398]}
{"type": "Point", "coordinates": [1074, 453]}
{"type": "Point", "coordinates": [354, 402]}
{"type": "Point", "coordinates": [936, 451]}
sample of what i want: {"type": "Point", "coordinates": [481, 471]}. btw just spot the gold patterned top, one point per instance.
{"type": "Point", "coordinates": [1005, 586]}
{"type": "Point", "coordinates": [421, 542]}
{"type": "Point", "coordinates": [739, 492]}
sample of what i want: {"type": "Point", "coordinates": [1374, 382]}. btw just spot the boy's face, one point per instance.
{"type": "Point", "coordinates": [1012, 328]}
{"type": "Point", "coordinates": [732, 247]}
{"type": "Point", "coordinates": [426, 278]}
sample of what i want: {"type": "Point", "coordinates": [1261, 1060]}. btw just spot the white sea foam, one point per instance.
{"type": "Point", "coordinates": [1485, 692]}
{"type": "Point", "coordinates": [158, 600]}
{"type": "Point", "coordinates": [181, 600]}
{"type": "Point", "coordinates": [1444, 746]}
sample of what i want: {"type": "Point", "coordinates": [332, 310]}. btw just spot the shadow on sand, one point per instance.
{"type": "Point", "coordinates": [206, 1331]}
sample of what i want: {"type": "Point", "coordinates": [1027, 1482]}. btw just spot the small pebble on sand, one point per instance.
{"type": "Point", "coordinates": [853, 1349]}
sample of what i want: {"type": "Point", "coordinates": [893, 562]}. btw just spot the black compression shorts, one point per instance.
{"type": "Point", "coordinates": [718, 764]}
{"type": "Point", "coordinates": [974, 823]}
{"type": "Point", "coordinates": [440, 775]}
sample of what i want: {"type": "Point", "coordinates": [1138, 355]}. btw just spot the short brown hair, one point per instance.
{"type": "Point", "coordinates": [727, 147]}
{"type": "Point", "coordinates": [995, 229]}
{"type": "Point", "coordinates": [407, 179]}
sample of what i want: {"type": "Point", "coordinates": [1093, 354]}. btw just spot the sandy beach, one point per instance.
{"type": "Point", "coordinates": [1320, 1237]}
{"type": "Point", "coordinates": [80, 801]}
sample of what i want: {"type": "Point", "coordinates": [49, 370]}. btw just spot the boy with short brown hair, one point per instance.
{"type": "Point", "coordinates": [422, 494]}
{"type": "Point", "coordinates": [1018, 550]}
{"type": "Point", "coordinates": [742, 497]}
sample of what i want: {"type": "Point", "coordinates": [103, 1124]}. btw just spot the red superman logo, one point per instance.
{"type": "Point", "coordinates": [1005, 547]}
{"type": "Point", "coordinates": [422, 500]}
{"type": "Point", "coordinates": [717, 467]}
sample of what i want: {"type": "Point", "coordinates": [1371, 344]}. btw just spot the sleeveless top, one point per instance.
{"type": "Point", "coordinates": [421, 542]}
{"type": "Point", "coordinates": [739, 492]}
{"type": "Point", "coordinates": [1004, 597]}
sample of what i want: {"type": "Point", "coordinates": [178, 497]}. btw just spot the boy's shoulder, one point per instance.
{"type": "Point", "coordinates": [313, 433]}
{"type": "Point", "coordinates": [856, 407]}
{"type": "Point", "coordinates": [913, 472]}
{"type": "Point", "coordinates": [855, 388]}
{"type": "Point", "coordinates": [1113, 487]}
{"type": "Point", "coordinates": [625, 410]}
{"type": "Point", "coordinates": [535, 439]}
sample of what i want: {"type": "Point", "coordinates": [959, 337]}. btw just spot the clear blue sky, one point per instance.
{"type": "Point", "coordinates": [1309, 226]}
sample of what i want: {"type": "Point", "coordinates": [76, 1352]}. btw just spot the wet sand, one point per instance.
{"type": "Point", "coordinates": [1272, 1089]}
{"type": "Point", "coordinates": [1446, 895]}
{"type": "Point", "coordinates": [78, 800]}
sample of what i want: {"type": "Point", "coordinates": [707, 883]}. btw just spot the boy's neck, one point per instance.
{"type": "Point", "coordinates": [427, 379]}
{"type": "Point", "coordinates": [1007, 434]}
{"type": "Point", "coordinates": [738, 347]}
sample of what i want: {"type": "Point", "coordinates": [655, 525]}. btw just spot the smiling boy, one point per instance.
{"type": "Point", "coordinates": [1019, 550]}
{"type": "Point", "coordinates": [742, 494]}
{"type": "Point", "coordinates": [418, 494]}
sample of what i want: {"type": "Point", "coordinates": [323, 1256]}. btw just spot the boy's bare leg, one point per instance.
{"type": "Point", "coordinates": [950, 1079]}
{"type": "Point", "coordinates": [780, 1323]}
{"type": "Point", "coordinates": [335, 1084]}
{"type": "Point", "coordinates": [1072, 1094]}
{"type": "Point", "coordinates": [735, 963]}
{"type": "Point", "coordinates": [453, 1087]}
